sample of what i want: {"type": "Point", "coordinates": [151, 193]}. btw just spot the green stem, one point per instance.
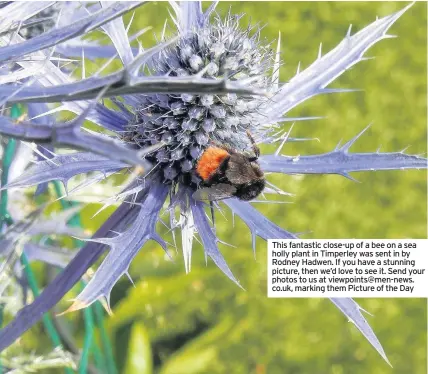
{"type": "Point", "coordinates": [99, 359]}
{"type": "Point", "coordinates": [99, 315]}
{"type": "Point", "coordinates": [87, 342]}
{"type": "Point", "coordinates": [9, 152]}
{"type": "Point", "coordinates": [53, 334]}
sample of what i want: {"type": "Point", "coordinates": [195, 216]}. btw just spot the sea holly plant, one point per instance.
{"type": "Point", "coordinates": [213, 81]}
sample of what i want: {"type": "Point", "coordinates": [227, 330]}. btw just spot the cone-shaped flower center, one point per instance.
{"type": "Point", "coordinates": [190, 123]}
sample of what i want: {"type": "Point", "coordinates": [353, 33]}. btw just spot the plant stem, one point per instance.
{"type": "Point", "coordinates": [87, 342]}
{"type": "Point", "coordinates": [8, 154]}
{"type": "Point", "coordinates": [99, 315]}
{"type": "Point", "coordinates": [53, 334]}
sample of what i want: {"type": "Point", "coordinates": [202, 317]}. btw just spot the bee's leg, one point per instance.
{"type": "Point", "coordinates": [256, 149]}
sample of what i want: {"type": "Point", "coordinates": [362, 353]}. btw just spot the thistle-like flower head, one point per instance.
{"type": "Point", "coordinates": [189, 123]}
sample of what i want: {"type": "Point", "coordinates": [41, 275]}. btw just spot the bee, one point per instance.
{"type": "Point", "coordinates": [225, 173]}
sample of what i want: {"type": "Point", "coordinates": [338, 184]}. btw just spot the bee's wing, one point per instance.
{"type": "Point", "coordinates": [217, 192]}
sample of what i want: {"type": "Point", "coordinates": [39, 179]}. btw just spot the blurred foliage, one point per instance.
{"type": "Point", "coordinates": [173, 323]}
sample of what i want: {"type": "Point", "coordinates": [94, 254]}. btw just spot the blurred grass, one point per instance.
{"type": "Point", "coordinates": [201, 322]}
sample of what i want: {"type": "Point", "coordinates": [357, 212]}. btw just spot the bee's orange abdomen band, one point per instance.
{"type": "Point", "coordinates": [210, 161]}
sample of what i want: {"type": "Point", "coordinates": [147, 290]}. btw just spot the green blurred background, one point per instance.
{"type": "Point", "coordinates": [173, 323]}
